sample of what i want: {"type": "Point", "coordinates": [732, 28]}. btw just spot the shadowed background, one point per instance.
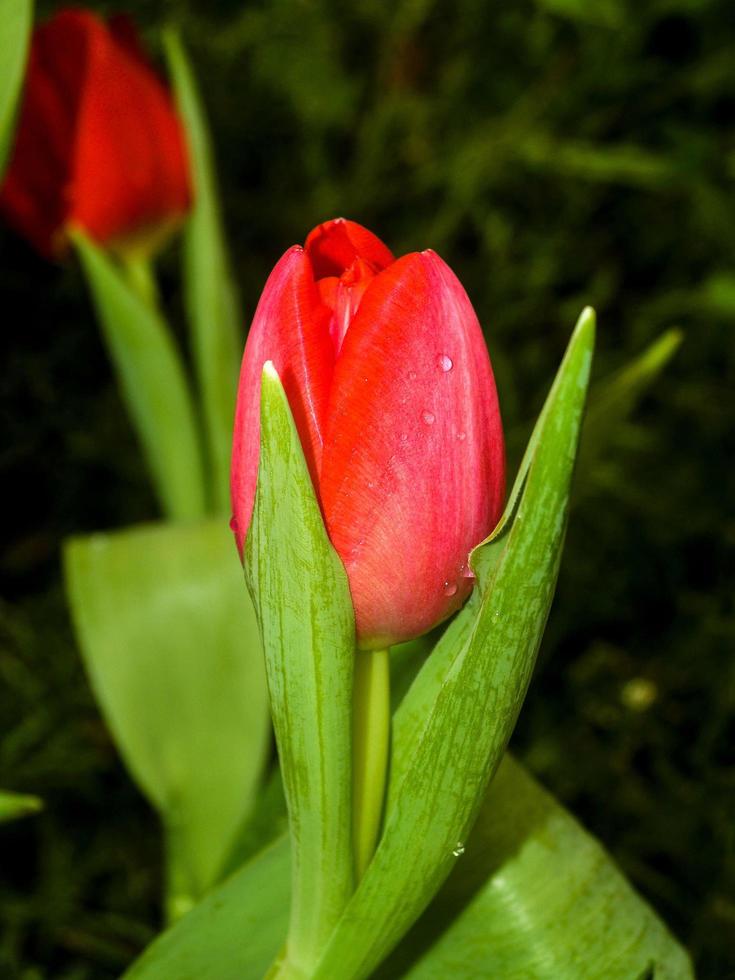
{"type": "Point", "coordinates": [555, 153]}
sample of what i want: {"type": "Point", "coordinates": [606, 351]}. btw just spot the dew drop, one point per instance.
{"type": "Point", "coordinates": [461, 436]}
{"type": "Point", "coordinates": [450, 588]}
{"type": "Point", "coordinates": [458, 849]}
{"type": "Point", "coordinates": [445, 362]}
{"type": "Point", "coordinates": [411, 375]}
{"type": "Point", "coordinates": [429, 418]}
{"type": "Point", "coordinates": [234, 525]}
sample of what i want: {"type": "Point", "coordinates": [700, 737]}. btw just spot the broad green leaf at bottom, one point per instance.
{"type": "Point", "coordinates": [234, 933]}
{"type": "Point", "coordinates": [533, 897]}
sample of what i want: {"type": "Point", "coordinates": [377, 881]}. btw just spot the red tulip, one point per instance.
{"type": "Point", "coordinates": [98, 144]}
{"type": "Point", "coordinates": [390, 384]}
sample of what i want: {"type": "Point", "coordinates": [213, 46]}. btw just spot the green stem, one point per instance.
{"type": "Point", "coordinates": [178, 897]}
{"type": "Point", "coordinates": [370, 742]}
{"type": "Point", "coordinates": [141, 278]}
{"type": "Point", "coordinates": [151, 374]}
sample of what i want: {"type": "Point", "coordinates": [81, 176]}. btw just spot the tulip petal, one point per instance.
{"type": "Point", "coordinates": [133, 173]}
{"type": "Point", "coordinates": [98, 144]}
{"type": "Point", "coordinates": [35, 195]}
{"type": "Point", "coordinates": [291, 329]}
{"type": "Point", "coordinates": [413, 466]}
{"type": "Point", "coordinates": [334, 245]}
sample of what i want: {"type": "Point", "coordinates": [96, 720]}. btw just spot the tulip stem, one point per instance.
{"type": "Point", "coordinates": [178, 898]}
{"type": "Point", "coordinates": [139, 273]}
{"type": "Point", "coordinates": [370, 741]}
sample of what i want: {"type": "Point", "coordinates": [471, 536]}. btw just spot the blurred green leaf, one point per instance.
{"type": "Point", "coordinates": [268, 820]}
{"type": "Point", "coordinates": [718, 293]}
{"type": "Point", "coordinates": [614, 163]}
{"type": "Point", "coordinates": [13, 806]}
{"type": "Point", "coordinates": [449, 758]}
{"type": "Point", "coordinates": [614, 398]}
{"type": "Point", "coordinates": [153, 383]}
{"type": "Point", "coordinates": [170, 642]}
{"type": "Point", "coordinates": [16, 19]}
{"type": "Point", "coordinates": [300, 590]}
{"type": "Point", "coordinates": [609, 13]}
{"type": "Point", "coordinates": [535, 897]}
{"type": "Point", "coordinates": [211, 299]}
{"type": "Point", "coordinates": [233, 934]}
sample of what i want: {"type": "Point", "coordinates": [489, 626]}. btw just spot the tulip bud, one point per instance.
{"type": "Point", "coordinates": [98, 145]}
{"type": "Point", "coordinates": [390, 385]}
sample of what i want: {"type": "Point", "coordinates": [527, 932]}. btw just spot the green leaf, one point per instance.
{"type": "Point", "coordinates": [460, 740]}
{"type": "Point", "coordinates": [153, 383]}
{"type": "Point", "coordinates": [171, 646]}
{"type": "Point", "coordinates": [268, 820]}
{"type": "Point", "coordinates": [535, 897]}
{"type": "Point", "coordinates": [300, 590]}
{"type": "Point", "coordinates": [609, 13]}
{"type": "Point", "coordinates": [13, 806]}
{"type": "Point", "coordinates": [233, 934]}
{"type": "Point", "coordinates": [613, 399]}
{"type": "Point", "coordinates": [16, 19]}
{"type": "Point", "coordinates": [212, 304]}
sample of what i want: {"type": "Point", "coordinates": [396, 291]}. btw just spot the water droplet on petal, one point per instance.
{"type": "Point", "coordinates": [458, 849]}
{"type": "Point", "coordinates": [445, 362]}
{"type": "Point", "coordinates": [450, 588]}
{"type": "Point", "coordinates": [461, 436]}
{"type": "Point", "coordinates": [467, 572]}
{"type": "Point", "coordinates": [411, 375]}
{"type": "Point", "coordinates": [429, 418]}
{"type": "Point", "coordinates": [234, 525]}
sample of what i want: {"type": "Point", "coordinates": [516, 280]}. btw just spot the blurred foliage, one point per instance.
{"type": "Point", "coordinates": [556, 153]}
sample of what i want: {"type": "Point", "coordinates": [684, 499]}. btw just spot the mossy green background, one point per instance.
{"type": "Point", "coordinates": [556, 153]}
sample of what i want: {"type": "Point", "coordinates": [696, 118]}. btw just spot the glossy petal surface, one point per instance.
{"type": "Point", "coordinates": [334, 245]}
{"type": "Point", "coordinates": [291, 329]}
{"type": "Point", "coordinates": [412, 471]}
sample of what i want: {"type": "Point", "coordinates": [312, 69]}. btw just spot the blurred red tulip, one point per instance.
{"type": "Point", "coordinates": [99, 145]}
{"type": "Point", "coordinates": [390, 384]}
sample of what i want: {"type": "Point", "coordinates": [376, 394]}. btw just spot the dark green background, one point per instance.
{"type": "Point", "coordinates": [556, 154]}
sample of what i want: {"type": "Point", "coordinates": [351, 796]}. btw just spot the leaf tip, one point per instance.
{"type": "Point", "coordinates": [587, 324]}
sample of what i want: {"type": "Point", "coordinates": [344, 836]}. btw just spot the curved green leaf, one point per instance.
{"type": "Point", "coordinates": [461, 739]}
{"type": "Point", "coordinates": [613, 399]}
{"type": "Point", "coordinates": [153, 383]}
{"type": "Point", "coordinates": [535, 897]}
{"type": "Point", "coordinates": [16, 19]}
{"type": "Point", "coordinates": [209, 290]}
{"type": "Point", "coordinates": [170, 642]}
{"type": "Point", "coordinates": [300, 590]}
{"type": "Point", "coordinates": [233, 934]}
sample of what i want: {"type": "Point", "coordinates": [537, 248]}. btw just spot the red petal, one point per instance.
{"type": "Point", "coordinates": [98, 142]}
{"type": "Point", "coordinates": [413, 465]}
{"type": "Point", "coordinates": [130, 166]}
{"type": "Point", "coordinates": [334, 245]}
{"type": "Point", "coordinates": [291, 329]}
{"type": "Point", "coordinates": [35, 196]}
